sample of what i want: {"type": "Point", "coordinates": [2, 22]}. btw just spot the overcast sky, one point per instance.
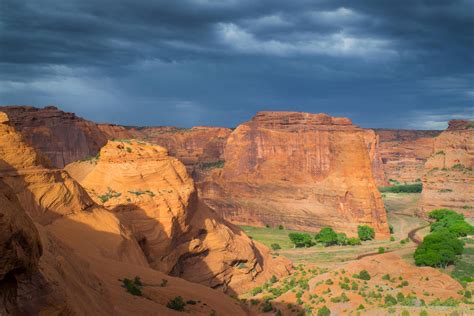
{"type": "Point", "coordinates": [396, 64]}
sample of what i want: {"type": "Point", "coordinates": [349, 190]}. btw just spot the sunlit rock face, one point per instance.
{"type": "Point", "coordinates": [304, 171]}
{"type": "Point", "coordinates": [448, 181]}
{"type": "Point", "coordinates": [61, 253]}
{"type": "Point", "coordinates": [404, 153]}
{"type": "Point", "coordinates": [153, 195]}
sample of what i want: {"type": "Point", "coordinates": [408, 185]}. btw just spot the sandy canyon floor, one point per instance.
{"type": "Point", "coordinates": [393, 272]}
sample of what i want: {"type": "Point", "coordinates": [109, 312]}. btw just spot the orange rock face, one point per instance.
{"type": "Point", "coordinates": [86, 249]}
{"type": "Point", "coordinates": [449, 177]}
{"type": "Point", "coordinates": [404, 153]}
{"type": "Point", "coordinates": [303, 171]}
{"type": "Point", "coordinates": [192, 146]}
{"type": "Point", "coordinates": [152, 194]}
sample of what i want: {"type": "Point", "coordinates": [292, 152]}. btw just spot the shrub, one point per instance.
{"type": "Point", "coordinates": [353, 241]}
{"type": "Point", "coordinates": [133, 286]}
{"type": "Point", "coordinates": [423, 313]}
{"type": "Point", "coordinates": [341, 239]}
{"type": "Point", "coordinates": [363, 275]}
{"type": "Point", "coordinates": [390, 300]}
{"type": "Point", "coordinates": [176, 303]}
{"type": "Point", "coordinates": [392, 238]}
{"type": "Point", "coordinates": [324, 311]}
{"type": "Point", "coordinates": [405, 313]}
{"type": "Point", "coordinates": [280, 227]}
{"type": "Point", "coordinates": [468, 294]}
{"type": "Point", "coordinates": [381, 250]}
{"type": "Point", "coordinates": [163, 283]}
{"type": "Point", "coordinates": [301, 239]}
{"type": "Point", "coordinates": [256, 290]}
{"type": "Point", "coordinates": [267, 307]}
{"type": "Point", "coordinates": [275, 246]}
{"type": "Point", "coordinates": [273, 279]}
{"type": "Point", "coordinates": [390, 227]}
{"type": "Point", "coordinates": [386, 277]}
{"type": "Point", "coordinates": [365, 232]}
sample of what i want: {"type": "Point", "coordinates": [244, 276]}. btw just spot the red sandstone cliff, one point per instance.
{"type": "Point", "coordinates": [404, 153]}
{"type": "Point", "coordinates": [86, 250]}
{"type": "Point", "coordinates": [301, 170]}
{"type": "Point", "coordinates": [153, 195]}
{"type": "Point", "coordinates": [448, 181]}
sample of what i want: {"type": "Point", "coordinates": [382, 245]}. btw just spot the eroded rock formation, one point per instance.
{"type": "Point", "coordinates": [448, 181]}
{"type": "Point", "coordinates": [153, 195]}
{"type": "Point", "coordinates": [86, 250]}
{"type": "Point", "coordinates": [404, 153]}
{"type": "Point", "coordinates": [300, 170]}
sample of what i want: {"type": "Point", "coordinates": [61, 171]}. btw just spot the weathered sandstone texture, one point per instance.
{"type": "Point", "coordinates": [404, 153]}
{"type": "Point", "coordinates": [304, 171]}
{"type": "Point", "coordinates": [63, 137]}
{"type": "Point", "coordinates": [153, 195]}
{"type": "Point", "coordinates": [86, 250]}
{"type": "Point", "coordinates": [448, 181]}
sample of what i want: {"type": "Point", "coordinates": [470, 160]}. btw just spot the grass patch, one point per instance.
{"type": "Point", "coordinates": [269, 236]}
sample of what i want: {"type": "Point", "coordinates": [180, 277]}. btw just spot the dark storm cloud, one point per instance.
{"type": "Point", "coordinates": [382, 63]}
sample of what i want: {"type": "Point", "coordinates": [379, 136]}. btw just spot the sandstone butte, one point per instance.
{"type": "Point", "coordinates": [303, 171]}
{"type": "Point", "coordinates": [61, 253]}
{"type": "Point", "coordinates": [404, 153]}
{"type": "Point", "coordinates": [448, 181]}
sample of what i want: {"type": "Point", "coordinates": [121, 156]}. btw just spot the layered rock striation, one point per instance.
{"type": "Point", "coordinates": [74, 256]}
{"type": "Point", "coordinates": [61, 136]}
{"type": "Point", "coordinates": [404, 153]}
{"type": "Point", "coordinates": [304, 171]}
{"type": "Point", "coordinates": [448, 181]}
{"type": "Point", "coordinates": [153, 195]}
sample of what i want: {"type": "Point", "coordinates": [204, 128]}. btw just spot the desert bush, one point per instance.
{"type": "Point", "coordinates": [267, 307]}
{"type": "Point", "coordinates": [324, 311]}
{"type": "Point", "coordinates": [212, 165]}
{"type": "Point", "coordinates": [365, 232]}
{"type": "Point", "coordinates": [176, 303]}
{"type": "Point", "coordinates": [133, 286]}
{"type": "Point", "coordinates": [353, 241]}
{"type": "Point", "coordinates": [363, 275]}
{"type": "Point", "coordinates": [390, 300]}
{"type": "Point", "coordinates": [275, 246]}
{"type": "Point", "coordinates": [381, 250]}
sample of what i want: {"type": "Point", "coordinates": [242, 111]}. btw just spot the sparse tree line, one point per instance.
{"type": "Point", "coordinates": [328, 237]}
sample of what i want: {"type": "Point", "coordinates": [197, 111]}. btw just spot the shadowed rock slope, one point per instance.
{"type": "Point", "coordinates": [153, 195]}
{"type": "Point", "coordinates": [85, 248]}
{"type": "Point", "coordinates": [304, 171]}
{"type": "Point", "coordinates": [448, 181]}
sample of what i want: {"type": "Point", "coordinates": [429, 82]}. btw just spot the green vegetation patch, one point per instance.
{"type": "Point", "coordinates": [109, 195]}
{"type": "Point", "coordinates": [212, 165]}
{"type": "Point", "coordinates": [133, 286]}
{"type": "Point", "coordinates": [403, 188]}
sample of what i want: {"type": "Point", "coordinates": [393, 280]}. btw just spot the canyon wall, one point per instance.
{"type": "Point", "coordinates": [304, 171]}
{"type": "Point", "coordinates": [61, 136]}
{"type": "Point", "coordinates": [404, 153]}
{"type": "Point", "coordinates": [153, 195]}
{"type": "Point", "coordinates": [73, 258]}
{"type": "Point", "coordinates": [448, 181]}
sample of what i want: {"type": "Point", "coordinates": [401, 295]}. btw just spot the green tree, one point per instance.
{"type": "Point", "coordinates": [275, 246]}
{"type": "Point", "coordinates": [438, 249]}
{"type": "Point", "coordinates": [300, 239]}
{"type": "Point", "coordinates": [327, 236]}
{"type": "Point", "coordinates": [365, 232]}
